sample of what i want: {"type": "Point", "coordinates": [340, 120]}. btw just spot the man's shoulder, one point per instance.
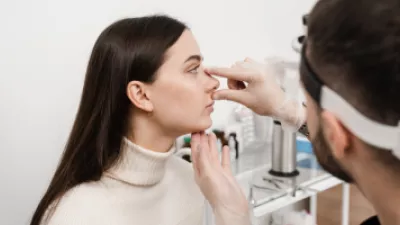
{"type": "Point", "coordinates": [371, 221]}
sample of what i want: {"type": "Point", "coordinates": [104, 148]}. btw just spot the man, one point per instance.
{"type": "Point", "coordinates": [350, 70]}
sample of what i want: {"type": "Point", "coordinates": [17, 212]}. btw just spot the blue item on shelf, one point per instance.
{"type": "Point", "coordinates": [304, 145]}
{"type": "Point", "coordinates": [308, 163]}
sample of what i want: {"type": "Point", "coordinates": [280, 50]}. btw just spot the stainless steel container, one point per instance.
{"type": "Point", "coordinates": [263, 126]}
{"type": "Point", "coordinates": [283, 160]}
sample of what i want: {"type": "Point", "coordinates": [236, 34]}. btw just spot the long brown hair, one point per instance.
{"type": "Point", "coordinates": [129, 49]}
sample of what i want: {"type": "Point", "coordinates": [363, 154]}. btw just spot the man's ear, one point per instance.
{"type": "Point", "coordinates": [335, 134]}
{"type": "Point", "coordinates": [137, 93]}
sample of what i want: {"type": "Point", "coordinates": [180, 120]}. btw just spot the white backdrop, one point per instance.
{"type": "Point", "coordinates": [44, 48]}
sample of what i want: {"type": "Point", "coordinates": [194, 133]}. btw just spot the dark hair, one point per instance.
{"type": "Point", "coordinates": [355, 48]}
{"type": "Point", "coordinates": [129, 49]}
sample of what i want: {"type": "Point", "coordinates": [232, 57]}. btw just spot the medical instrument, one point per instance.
{"type": "Point", "coordinates": [283, 160]}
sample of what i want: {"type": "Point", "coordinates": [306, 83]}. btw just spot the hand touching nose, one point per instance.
{"type": "Point", "coordinates": [263, 93]}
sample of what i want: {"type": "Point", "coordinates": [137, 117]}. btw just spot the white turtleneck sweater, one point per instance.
{"type": "Point", "coordinates": [144, 188]}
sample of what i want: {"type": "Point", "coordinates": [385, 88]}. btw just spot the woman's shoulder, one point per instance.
{"type": "Point", "coordinates": [80, 205]}
{"type": "Point", "coordinates": [181, 173]}
{"type": "Point", "coordinates": [180, 166]}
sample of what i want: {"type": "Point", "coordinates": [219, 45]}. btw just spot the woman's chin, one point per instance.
{"type": "Point", "coordinates": [202, 125]}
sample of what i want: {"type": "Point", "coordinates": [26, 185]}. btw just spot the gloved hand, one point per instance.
{"type": "Point", "coordinates": [216, 181]}
{"type": "Point", "coordinates": [263, 93]}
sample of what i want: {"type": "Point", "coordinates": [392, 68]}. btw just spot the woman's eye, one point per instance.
{"type": "Point", "coordinates": [194, 70]}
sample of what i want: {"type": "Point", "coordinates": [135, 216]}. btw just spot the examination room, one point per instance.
{"type": "Point", "coordinates": [183, 112]}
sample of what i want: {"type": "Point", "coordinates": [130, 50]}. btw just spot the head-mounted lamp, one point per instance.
{"type": "Point", "coordinates": [372, 132]}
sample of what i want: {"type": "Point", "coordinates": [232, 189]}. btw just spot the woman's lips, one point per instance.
{"type": "Point", "coordinates": [210, 107]}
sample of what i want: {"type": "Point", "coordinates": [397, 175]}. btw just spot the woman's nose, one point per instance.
{"type": "Point", "coordinates": [212, 83]}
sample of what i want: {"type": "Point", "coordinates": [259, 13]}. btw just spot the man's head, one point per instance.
{"type": "Point", "coordinates": [354, 48]}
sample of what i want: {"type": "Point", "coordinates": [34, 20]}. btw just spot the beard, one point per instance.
{"type": "Point", "coordinates": [326, 159]}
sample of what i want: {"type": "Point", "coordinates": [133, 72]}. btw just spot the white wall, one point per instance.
{"type": "Point", "coordinates": [44, 48]}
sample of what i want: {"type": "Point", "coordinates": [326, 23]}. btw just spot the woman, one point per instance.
{"type": "Point", "coordinates": [144, 87]}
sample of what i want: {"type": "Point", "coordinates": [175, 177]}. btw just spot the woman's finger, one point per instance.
{"type": "Point", "coordinates": [212, 142]}
{"type": "Point", "coordinates": [203, 161]}
{"type": "Point", "coordinates": [204, 141]}
{"type": "Point", "coordinates": [194, 145]}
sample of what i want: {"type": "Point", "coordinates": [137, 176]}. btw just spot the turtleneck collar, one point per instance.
{"type": "Point", "coordinates": [139, 166]}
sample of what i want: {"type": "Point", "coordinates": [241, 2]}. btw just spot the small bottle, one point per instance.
{"type": "Point", "coordinates": [233, 146]}
{"type": "Point", "coordinates": [221, 138]}
{"type": "Point", "coordinates": [186, 142]}
{"type": "Point", "coordinates": [186, 145]}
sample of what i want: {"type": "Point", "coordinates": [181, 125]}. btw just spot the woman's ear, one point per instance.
{"type": "Point", "coordinates": [335, 134]}
{"type": "Point", "coordinates": [137, 94]}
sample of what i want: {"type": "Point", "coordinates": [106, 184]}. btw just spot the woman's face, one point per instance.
{"type": "Point", "coordinates": [181, 93]}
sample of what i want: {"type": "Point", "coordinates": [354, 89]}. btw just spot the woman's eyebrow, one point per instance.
{"type": "Point", "coordinates": [194, 57]}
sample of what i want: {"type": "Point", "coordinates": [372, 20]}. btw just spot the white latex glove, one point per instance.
{"type": "Point", "coordinates": [263, 93]}
{"type": "Point", "coordinates": [215, 179]}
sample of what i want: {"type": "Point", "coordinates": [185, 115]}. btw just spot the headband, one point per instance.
{"type": "Point", "coordinates": [372, 132]}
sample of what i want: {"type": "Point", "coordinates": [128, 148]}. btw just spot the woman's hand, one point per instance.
{"type": "Point", "coordinates": [217, 182]}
